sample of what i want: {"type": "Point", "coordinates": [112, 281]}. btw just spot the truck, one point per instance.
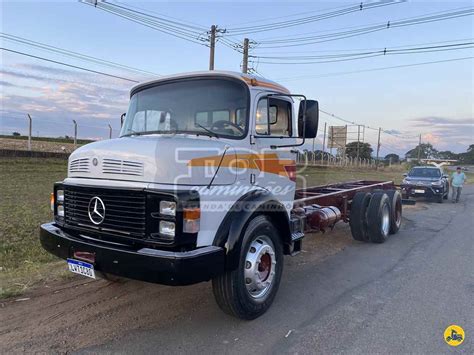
{"type": "Point", "coordinates": [201, 186]}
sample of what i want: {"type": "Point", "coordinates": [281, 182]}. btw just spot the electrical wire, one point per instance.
{"type": "Point", "coordinates": [332, 58]}
{"type": "Point", "coordinates": [68, 65]}
{"type": "Point", "coordinates": [72, 54]}
{"type": "Point", "coordinates": [173, 28]}
{"type": "Point", "coordinates": [292, 41]}
{"type": "Point", "coordinates": [373, 69]}
{"type": "Point", "coordinates": [310, 19]}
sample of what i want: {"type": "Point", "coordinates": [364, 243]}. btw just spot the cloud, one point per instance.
{"type": "Point", "coordinates": [445, 133]}
{"type": "Point", "coordinates": [56, 96]}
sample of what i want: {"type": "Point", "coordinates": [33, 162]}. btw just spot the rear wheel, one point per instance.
{"type": "Point", "coordinates": [358, 216]}
{"type": "Point", "coordinates": [395, 209]}
{"type": "Point", "coordinates": [378, 217]}
{"type": "Point", "coordinates": [249, 291]}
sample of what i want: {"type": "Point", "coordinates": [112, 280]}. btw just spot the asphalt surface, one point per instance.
{"type": "Point", "coordinates": [397, 297]}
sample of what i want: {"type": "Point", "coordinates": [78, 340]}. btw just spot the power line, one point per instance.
{"type": "Point", "coordinates": [361, 49]}
{"type": "Point", "coordinates": [310, 19]}
{"type": "Point", "coordinates": [373, 69]}
{"type": "Point", "coordinates": [68, 65]}
{"type": "Point", "coordinates": [292, 41]}
{"type": "Point", "coordinates": [173, 28]}
{"type": "Point", "coordinates": [384, 51]}
{"type": "Point", "coordinates": [332, 58]}
{"type": "Point", "coordinates": [72, 54]}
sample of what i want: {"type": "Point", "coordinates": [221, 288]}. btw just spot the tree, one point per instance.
{"type": "Point", "coordinates": [468, 157]}
{"type": "Point", "coordinates": [447, 154]}
{"type": "Point", "coordinates": [392, 157]}
{"type": "Point", "coordinates": [365, 150]}
{"type": "Point", "coordinates": [426, 151]}
{"type": "Point", "coordinates": [16, 134]}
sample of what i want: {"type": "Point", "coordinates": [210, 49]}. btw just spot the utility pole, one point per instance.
{"type": "Point", "coordinates": [245, 62]}
{"type": "Point", "coordinates": [75, 133]}
{"type": "Point", "coordinates": [378, 150]}
{"type": "Point", "coordinates": [419, 149]}
{"type": "Point", "coordinates": [30, 126]}
{"type": "Point", "coordinates": [212, 47]}
{"type": "Point", "coordinates": [324, 144]}
{"type": "Point", "coordinates": [110, 131]}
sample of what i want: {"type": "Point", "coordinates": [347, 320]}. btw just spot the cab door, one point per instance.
{"type": "Point", "coordinates": [273, 126]}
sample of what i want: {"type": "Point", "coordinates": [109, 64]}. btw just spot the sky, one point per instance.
{"type": "Point", "coordinates": [434, 100]}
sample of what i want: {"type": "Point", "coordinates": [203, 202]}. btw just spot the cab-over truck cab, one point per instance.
{"type": "Point", "coordinates": [199, 186]}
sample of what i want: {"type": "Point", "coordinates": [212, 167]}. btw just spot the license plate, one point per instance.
{"type": "Point", "coordinates": [81, 268]}
{"type": "Point", "coordinates": [419, 191]}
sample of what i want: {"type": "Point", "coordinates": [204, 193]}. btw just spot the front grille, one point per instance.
{"type": "Point", "coordinates": [124, 210]}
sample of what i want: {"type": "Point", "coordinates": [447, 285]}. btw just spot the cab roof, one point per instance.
{"type": "Point", "coordinates": [250, 80]}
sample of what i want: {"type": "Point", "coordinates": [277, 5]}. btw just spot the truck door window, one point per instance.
{"type": "Point", "coordinates": [261, 118]}
{"type": "Point", "coordinates": [273, 119]}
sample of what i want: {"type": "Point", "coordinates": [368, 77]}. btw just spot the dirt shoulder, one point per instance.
{"type": "Point", "coordinates": [68, 315]}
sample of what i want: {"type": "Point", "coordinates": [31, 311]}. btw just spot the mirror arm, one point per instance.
{"type": "Point", "coordinates": [304, 122]}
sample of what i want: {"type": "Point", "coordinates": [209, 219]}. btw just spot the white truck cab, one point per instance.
{"type": "Point", "coordinates": [199, 186]}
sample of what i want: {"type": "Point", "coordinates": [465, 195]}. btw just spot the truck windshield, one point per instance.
{"type": "Point", "coordinates": [425, 172]}
{"type": "Point", "coordinates": [212, 107]}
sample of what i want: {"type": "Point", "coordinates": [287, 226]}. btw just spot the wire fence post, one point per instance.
{"type": "Point", "coordinates": [30, 126]}
{"type": "Point", "coordinates": [110, 131]}
{"type": "Point", "coordinates": [75, 133]}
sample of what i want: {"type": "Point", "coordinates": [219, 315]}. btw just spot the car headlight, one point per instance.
{"type": "Point", "coordinates": [57, 202]}
{"type": "Point", "coordinates": [437, 183]}
{"type": "Point", "coordinates": [405, 181]}
{"type": "Point", "coordinates": [167, 228]}
{"type": "Point", "coordinates": [168, 208]}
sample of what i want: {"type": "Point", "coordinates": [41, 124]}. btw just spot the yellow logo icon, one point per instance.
{"type": "Point", "coordinates": [454, 335]}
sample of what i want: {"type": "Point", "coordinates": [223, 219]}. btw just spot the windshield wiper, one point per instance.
{"type": "Point", "coordinates": [142, 133]}
{"type": "Point", "coordinates": [212, 133]}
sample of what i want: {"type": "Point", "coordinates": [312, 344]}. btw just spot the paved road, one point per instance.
{"type": "Point", "coordinates": [397, 297]}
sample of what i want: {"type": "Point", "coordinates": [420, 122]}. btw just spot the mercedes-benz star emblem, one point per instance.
{"type": "Point", "coordinates": [96, 210]}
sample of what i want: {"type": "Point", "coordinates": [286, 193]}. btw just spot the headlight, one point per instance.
{"type": "Point", "coordinates": [437, 183]}
{"type": "Point", "coordinates": [405, 181]}
{"type": "Point", "coordinates": [168, 208]}
{"type": "Point", "coordinates": [167, 228]}
{"type": "Point", "coordinates": [60, 196]}
{"type": "Point", "coordinates": [60, 211]}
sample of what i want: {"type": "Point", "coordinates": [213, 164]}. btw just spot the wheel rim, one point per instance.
{"type": "Point", "coordinates": [260, 265]}
{"type": "Point", "coordinates": [385, 219]}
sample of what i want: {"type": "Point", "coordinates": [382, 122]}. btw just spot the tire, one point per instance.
{"type": "Point", "coordinates": [244, 292]}
{"type": "Point", "coordinates": [378, 217]}
{"type": "Point", "coordinates": [396, 210]}
{"type": "Point", "coordinates": [446, 195]}
{"type": "Point", "coordinates": [358, 216]}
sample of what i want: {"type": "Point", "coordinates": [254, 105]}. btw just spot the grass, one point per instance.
{"type": "Point", "coordinates": [48, 139]}
{"type": "Point", "coordinates": [327, 175]}
{"type": "Point", "coordinates": [24, 204]}
{"type": "Point", "coordinates": [26, 184]}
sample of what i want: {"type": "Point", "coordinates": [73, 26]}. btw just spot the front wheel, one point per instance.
{"type": "Point", "coordinates": [249, 291]}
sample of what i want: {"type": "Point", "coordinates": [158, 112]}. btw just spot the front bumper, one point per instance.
{"type": "Point", "coordinates": [428, 191]}
{"type": "Point", "coordinates": [150, 265]}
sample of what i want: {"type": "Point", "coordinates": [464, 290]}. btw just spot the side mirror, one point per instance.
{"type": "Point", "coordinates": [445, 176]}
{"type": "Point", "coordinates": [405, 175]}
{"type": "Point", "coordinates": [122, 117]}
{"type": "Point", "coordinates": [310, 124]}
